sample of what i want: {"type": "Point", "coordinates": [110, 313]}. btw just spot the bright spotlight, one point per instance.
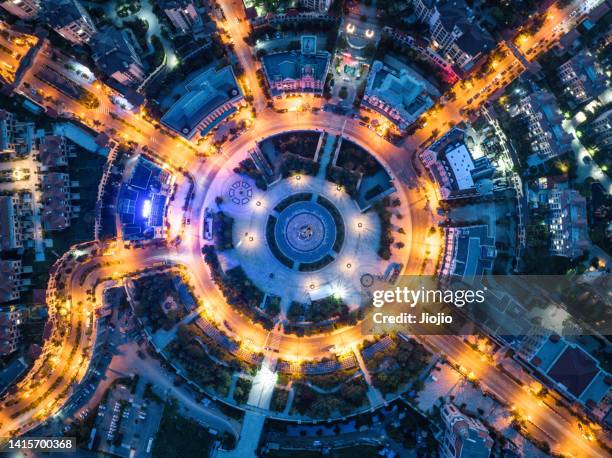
{"type": "Point", "coordinates": [146, 208]}
{"type": "Point", "coordinates": [338, 292]}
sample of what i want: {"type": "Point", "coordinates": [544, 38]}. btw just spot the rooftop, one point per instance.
{"type": "Point", "coordinates": [9, 287]}
{"type": "Point", "coordinates": [60, 13]}
{"type": "Point", "coordinates": [572, 369]}
{"type": "Point", "coordinates": [545, 133]}
{"type": "Point", "coordinates": [113, 51]}
{"type": "Point", "coordinates": [206, 92]}
{"type": "Point", "coordinates": [398, 90]}
{"type": "Point", "coordinates": [56, 201]}
{"type": "Point", "coordinates": [293, 65]}
{"type": "Point", "coordinates": [469, 252]}
{"type": "Point", "coordinates": [142, 202]}
{"type": "Point", "coordinates": [454, 168]}
{"type": "Point", "coordinates": [52, 151]}
{"type": "Point", "coordinates": [7, 228]}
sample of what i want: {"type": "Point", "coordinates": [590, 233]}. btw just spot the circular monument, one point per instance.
{"type": "Point", "coordinates": [307, 232]}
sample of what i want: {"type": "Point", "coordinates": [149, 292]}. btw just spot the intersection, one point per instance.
{"type": "Point", "coordinates": [64, 361]}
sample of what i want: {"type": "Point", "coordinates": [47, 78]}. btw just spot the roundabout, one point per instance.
{"type": "Point", "coordinates": [304, 238]}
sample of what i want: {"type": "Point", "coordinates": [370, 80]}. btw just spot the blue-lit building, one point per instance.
{"type": "Point", "coordinates": [142, 201]}
{"type": "Point", "coordinates": [211, 97]}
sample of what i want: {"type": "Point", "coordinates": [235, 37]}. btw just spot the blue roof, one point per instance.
{"type": "Point", "coordinates": [141, 176]}
{"type": "Point", "coordinates": [474, 251]}
{"type": "Point", "coordinates": [140, 206]}
{"type": "Point", "coordinates": [549, 352]}
{"type": "Point", "coordinates": [205, 93]}
{"type": "Point", "coordinates": [294, 64]}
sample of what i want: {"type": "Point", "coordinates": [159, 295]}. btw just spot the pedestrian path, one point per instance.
{"type": "Point", "coordinates": [374, 396]}
{"type": "Point", "coordinates": [161, 338]}
{"type": "Point", "coordinates": [252, 426]}
{"type": "Point", "coordinates": [253, 423]}
{"type": "Point", "coordinates": [326, 156]}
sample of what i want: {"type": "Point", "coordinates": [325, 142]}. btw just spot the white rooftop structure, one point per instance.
{"type": "Point", "coordinates": [461, 162]}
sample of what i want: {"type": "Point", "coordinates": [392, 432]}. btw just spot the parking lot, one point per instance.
{"type": "Point", "coordinates": [127, 421]}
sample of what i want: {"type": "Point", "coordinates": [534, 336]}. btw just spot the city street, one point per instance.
{"type": "Point", "coordinates": [66, 355]}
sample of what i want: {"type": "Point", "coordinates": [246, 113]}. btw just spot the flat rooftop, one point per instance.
{"type": "Point", "coordinates": [205, 93]}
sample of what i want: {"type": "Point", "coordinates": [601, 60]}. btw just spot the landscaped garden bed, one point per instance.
{"type": "Point", "coordinates": [386, 237]}
{"type": "Point", "coordinates": [292, 164]}
{"type": "Point", "coordinates": [248, 168]}
{"type": "Point", "coordinates": [151, 292]}
{"type": "Point", "coordinates": [279, 399]}
{"type": "Point", "coordinates": [349, 398]}
{"type": "Point", "coordinates": [398, 364]}
{"type": "Point", "coordinates": [239, 291]}
{"type": "Point", "coordinates": [222, 231]}
{"type": "Point", "coordinates": [299, 197]}
{"type": "Point", "coordinates": [278, 254]}
{"type": "Point", "coordinates": [301, 143]}
{"type": "Point", "coordinates": [242, 390]}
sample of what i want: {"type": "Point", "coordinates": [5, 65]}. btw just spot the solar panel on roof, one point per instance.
{"type": "Point", "coordinates": [141, 176]}
{"type": "Point", "coordinates": [157, 212]}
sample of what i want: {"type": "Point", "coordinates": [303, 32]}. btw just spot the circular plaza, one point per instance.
{"type": "Point", "coordinates": [302, 236]}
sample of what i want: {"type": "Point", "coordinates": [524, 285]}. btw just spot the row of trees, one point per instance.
{"type": "Point", "coordinates": [346, 400]}
{"type": "Point", "coordinates": [248, 168]}
{"type": "Point", "coordinates": [398, 364]}
{"type": "Point", "coordinates": [386, 228]}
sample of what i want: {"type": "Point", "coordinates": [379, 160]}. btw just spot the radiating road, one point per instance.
{"type": "Point", "coordinates": [67, 355]}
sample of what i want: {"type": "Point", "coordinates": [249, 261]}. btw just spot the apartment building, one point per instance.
{"type": "Point", "coordinates": [70, 20]}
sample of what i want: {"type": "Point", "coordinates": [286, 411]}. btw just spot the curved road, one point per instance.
{"type": "Point", "coordinates": [66, 355]}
